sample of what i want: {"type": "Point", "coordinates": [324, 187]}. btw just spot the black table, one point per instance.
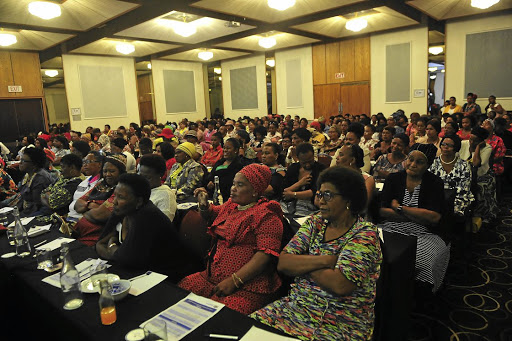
{"type": "Point", "coordinates": [33, 309]}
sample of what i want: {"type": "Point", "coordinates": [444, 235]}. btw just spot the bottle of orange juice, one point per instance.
{"type": "Point", "coordinates": [107, 305]}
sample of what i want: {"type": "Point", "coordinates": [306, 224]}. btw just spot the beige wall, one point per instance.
{"type": "Point", "coordinates": [259, 62]}
{"type": "Point", "coordinates": [305, 56]}
{"type": "Point", "coordinates": [56, 101]}
{"type": "Point", "coordinates": [456, 32]}
{"type": "Point", "coordinates": [418, 38]}
{"type": "Point", "coordinates": [74, 91]}
{"type": "Point", "coordinates": [162, 116]}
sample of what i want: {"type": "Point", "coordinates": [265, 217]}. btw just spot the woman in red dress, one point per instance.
{"type": "Point", "coordinates": [247, 231]}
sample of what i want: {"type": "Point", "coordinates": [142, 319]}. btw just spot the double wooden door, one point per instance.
{"type": "Point", "coordinates": [334, 99]}
{"type": "Point", "coordinates": [20, 117]}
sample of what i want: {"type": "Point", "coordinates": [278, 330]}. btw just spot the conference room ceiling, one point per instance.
{"type": "Point", "coordinates": [93, 27]}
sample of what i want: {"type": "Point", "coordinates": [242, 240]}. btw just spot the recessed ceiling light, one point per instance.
{"type": "Point", "coordinates": [271, 62]}
{"type": "Point", "coordinates": [433, 77]}
{"type": "Point", "coordinates": [217, 70]}
{"type": "Point", "coordinates": [44, 10]}
{"type": "Point", "coordinates": [267, 42]}
{"type": "Point", "coordinates": [356, 24]}
{"type": "Point", "coordinates": [443, 70]}
{"type": "Point", "coordinates": [435, 50]}
{"type": "Point", "coordinates": [149, 66]}
{"type": "Point", "coordinates": [483, 4]}
{"type": "Point", "coordinates": [432, 69]}
{"type": "Point", "coordinates": [280, 5]}
{"type": "Point", "coordinates": [205, 55]}
{"type": "Point", "coordinates": [125, 48]}
{"type": "Point", "coordinates": [51, 73]}
{"type": "Point", "coordinates": [7, 39]}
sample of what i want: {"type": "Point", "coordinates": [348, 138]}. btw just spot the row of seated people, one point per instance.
{"type": "Point", "coordinates": [240, 269]}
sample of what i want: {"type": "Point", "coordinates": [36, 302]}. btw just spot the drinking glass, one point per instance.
{"type": "Point", "coordinates": [97, 272]}
{"type": "Point", "coordinates": [155, 330]}
{"type": "Point", "coordinates": [44, 259]}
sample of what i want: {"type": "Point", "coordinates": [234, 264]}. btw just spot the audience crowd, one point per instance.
{"type": "Point", "coordinates": [118, 190]}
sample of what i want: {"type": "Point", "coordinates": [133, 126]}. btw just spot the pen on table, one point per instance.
{"type": "Point", "coordinates": [220, 336]}
{"type": "Point", "coordinates": [41, 243]}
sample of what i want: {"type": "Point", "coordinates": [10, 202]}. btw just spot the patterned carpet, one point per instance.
{"type": "Point", "coordinates": [476, 301]}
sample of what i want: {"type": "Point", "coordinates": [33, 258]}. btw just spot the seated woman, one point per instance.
{"type": "Point", "coordinates": [334, 143]}
{"type": "Point", "coordinates": [36, 179]}
{"type": "Point", "coordinates": [166, 150]}
{"type": "Point", "coordinates": [247, 232]}
{"type": "Point", "coordinates": [335, 257]}
{"type": "Point", "coordinates": [300, 182]}
{"type": "Point", "coordinates": [8, 188]}
{"type": "Point", "coordinates": [270, 158]}
{"type": "Point", "coordinates": [260, 132]}
{"type": "Point", "coordinates": [96, 205]}
{"type": "Point", "coordinates": [412, 203]}
{"type": "Point", "coordinates": [451, 128]}
{"type": "Point", "coordinates": [392, 162]}
{"type": "Point", "coordinates": [368, 141]}
{"type": "Point", "coordinates": [497, 145]}
{"type": "Point", "coordinates": [384, 146]}
{"type": "Point", "coordinates": [299, 135]}
{"type": "Point", "coordinates": [139, 235]}
{"type": "Point", "coordinates": [468, 122]}
{"type": "Point", "coordinates": [433, 130]}
{"type": "Point", "coordinates": [57, 197]}
{"type": "Point", "coordinates": [225, 169]}
{"type": "Point", "coordinates": [455, 173]}
{"type": "Point", "coordinates": [92, 166]}
{"type": "Point", "coordinates": [186, 174]}
{"type": "Point", "coordinates": [478, 153]}
{"type": "Point", "coordinates": [352, 156]}
{"type": "Point", "coordinates": [214, 152]}
{"type": "Point", "coordinates": [60, 147]}
{"type": "Point", "coordinates": [420, 136]}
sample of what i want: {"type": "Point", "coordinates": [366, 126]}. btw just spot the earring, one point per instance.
{"type": "Point", "coordinates": [348, 208]}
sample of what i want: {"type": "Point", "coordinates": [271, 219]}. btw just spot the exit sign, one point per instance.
{"type": "Point", "coordinates": [339, 75]}
{"type": "Point", "coordinates": [14, 88]}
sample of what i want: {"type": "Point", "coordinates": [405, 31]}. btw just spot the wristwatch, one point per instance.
{"type": "Point", "coordinates": [399, 209]}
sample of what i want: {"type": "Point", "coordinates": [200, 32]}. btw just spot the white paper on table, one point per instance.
{"type": "Point", "coordinates": [5, 210]}
{"type": "Point", "coordinates": [55, 244]}
{"type": "Point", "coordinates": [185, 316]}
{"type": "Point", "coordinates": [381, 235]}
{"type": "Point", "coordinates": [37, 230]}
{"type": "Point", "coordinates": [24, 221]}
{"type": "Point", "coordinates": [301, 220]}
{"type": "Point", "coordinates": [379, 186]}
{"type": "Point", "coordinates": [258, 334]}
{"type": "Point", "coordinates": [143, 284]}
{"type": "Point", "coordinates": [82, 268]}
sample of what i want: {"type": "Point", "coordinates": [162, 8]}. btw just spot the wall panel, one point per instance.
{"type": "Point", "coordinates": [6, 76]}
{"type": "Point", "coordinates": [332, 62]}
{"type": "Point", "coordinates": [319, 71]}
{"type": "Point", "coordinates": [362, 59]}
{"type": "Point", "coordinates": [347, 61]}
{"type": "Point", "coordinates": [27, 73]}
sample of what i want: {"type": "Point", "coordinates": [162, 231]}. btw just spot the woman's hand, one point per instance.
{"type": "Point", "coordinates": [394, 204]}
{"type": "Point", "coordinates": [202, 199]}
{"type": "Point", "coordinates": [210, 185]}
{"type": "Point", "coordinates": [225, 288]}
{"type": "Point", "coordinates": [305, 180]}
{"type": "Point", "coordinates": [288, 195]}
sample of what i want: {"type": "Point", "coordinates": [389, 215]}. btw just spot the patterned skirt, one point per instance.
{"type": "Point", "coordinates": [486, 204]}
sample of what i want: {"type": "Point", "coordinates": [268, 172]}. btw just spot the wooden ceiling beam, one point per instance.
{"type": "Point", "coordinates": [148, 10]}
{"type": "Point", "coordinates": [17, 27]}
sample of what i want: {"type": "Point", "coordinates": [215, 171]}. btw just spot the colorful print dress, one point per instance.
{"type": "Point", "coordinates": [312, 313]}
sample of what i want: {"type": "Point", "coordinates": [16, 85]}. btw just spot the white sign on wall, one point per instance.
{"type": "Point", "coordinates": [14, 88]}
{"type": "Point", "coordinates": [76, 111]}
{"type": "Point", "coordinates": [339, 75]}
{"type": "Point", "coordinates": [419, 92]}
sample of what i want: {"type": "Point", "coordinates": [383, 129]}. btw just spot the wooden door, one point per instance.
{"type": "Point", "coordinates": [326, 99]}
{"type": "Point", "coordinates": [355, 98]}
{"type": "Point", "coordinates": [20, 117]}
{"type": "Point", "coordinates": [145, 98]}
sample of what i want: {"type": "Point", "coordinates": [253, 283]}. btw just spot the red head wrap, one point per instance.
{"type": "Point", "coordinates": [258, 176]}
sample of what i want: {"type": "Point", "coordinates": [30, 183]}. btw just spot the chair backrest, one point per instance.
{"type": "Point", "coordinates": [192, 234]}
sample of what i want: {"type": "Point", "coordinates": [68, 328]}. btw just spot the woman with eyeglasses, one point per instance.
{"type": "Point", "coordinates": [412, 203]}
{"type": "Point", "coordinates": [455, 173]}
{"type": "Point", "coordinates": [335, 258]}
{"type": "Point", "coordinates": [91, 167]}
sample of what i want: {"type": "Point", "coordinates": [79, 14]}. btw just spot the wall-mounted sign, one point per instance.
{"type": "Point", "coordinates": [14, 88]}
{"type": "Point", "coordinates": [339, 75]}
{"type": "Point", "coordinates": [76, 111]}
{"type": "Point", "coordinates": [419, 92]}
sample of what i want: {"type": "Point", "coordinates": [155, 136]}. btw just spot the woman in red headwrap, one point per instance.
{"type": "Point", "coordinates": [247, 232]}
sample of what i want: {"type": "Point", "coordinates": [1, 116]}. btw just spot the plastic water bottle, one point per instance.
{"type": "Point", "coordinates": [70, 281]}
{"type": "Point", "coordinates": [23, 248]}
{"type": "Point", "coordinates": [217, 196]}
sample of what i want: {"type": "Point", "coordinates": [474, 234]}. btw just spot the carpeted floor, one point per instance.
{"type": "Point", "coordinates": [476, 301]}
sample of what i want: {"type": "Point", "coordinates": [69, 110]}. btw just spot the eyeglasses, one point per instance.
{"type": "Point", "coordinates": [86, 162]}
{"type": "Point", "coordinates": [327, 195]}
{"type": "Point", "coordinates": [444, 144]}
{"type": "Point", "coordinates": [25, 161]}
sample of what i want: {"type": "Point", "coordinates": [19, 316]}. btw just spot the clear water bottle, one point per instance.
{"type": "Point", "coordinates": [69, 281]}
{"type": "Point", "coordinates": [23, 248]}
{"type": "Point", "coordinates": [107, 306]}
{"type": "Point", "coordinates": [217, 196]}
